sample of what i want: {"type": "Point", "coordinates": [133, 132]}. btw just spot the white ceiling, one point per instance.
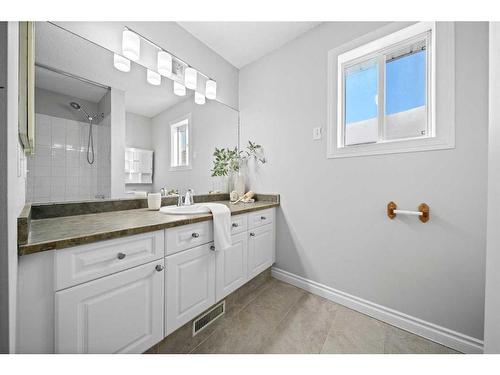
{"type": "Point", "coordinates": [241, 43]}
{"type": "Point", "coordinates": [63, 84]}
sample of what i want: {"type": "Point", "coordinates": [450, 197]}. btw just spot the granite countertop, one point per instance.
{"type": "Point", "coordinates": [62, 232]}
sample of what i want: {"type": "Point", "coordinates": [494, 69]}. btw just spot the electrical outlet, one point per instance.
{"type": "Point", "coordinates": [317, 133]}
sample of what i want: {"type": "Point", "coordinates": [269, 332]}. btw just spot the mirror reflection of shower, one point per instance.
{"type": "Point", "coordinates": [90, 119]}
{"type": "Point", "coordinates": [72, 153]}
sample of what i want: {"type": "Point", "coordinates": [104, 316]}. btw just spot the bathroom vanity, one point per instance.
{"type": "Point", "coordinates": [121, 281]}
{"type": "Point", "coordinates": [99, 272]}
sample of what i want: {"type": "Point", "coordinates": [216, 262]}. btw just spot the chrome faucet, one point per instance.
{"type": "Point", "coordinates": [188, 199]}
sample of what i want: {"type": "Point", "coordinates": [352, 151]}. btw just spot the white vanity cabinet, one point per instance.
{"type": "Point", "coordinates": [190, 285]}
{"type": "Point", "coordinates": [126, 294]}
{"type": "Point", "coordinates": [232, 266]}
{"type": "Point", "coordinates": [120, 313]}
{"type": "Point", "coordinates": [197, 278]}
{"type": "Point", "coordinates": [261, 242]}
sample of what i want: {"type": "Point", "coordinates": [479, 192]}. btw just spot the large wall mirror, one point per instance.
{"type": "Point", "coordinates": [103, 133]}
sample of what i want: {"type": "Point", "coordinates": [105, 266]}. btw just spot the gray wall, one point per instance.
{"type": "Point", "coordinates": [212, 125]}
{"type": "Point", "coordinates": [492, 308]}
{"type": "Point", "coordinates": [332, 227]}
{"type": "Point", "coordinates": [117, 104]}
{"type": "Point", "coordinates": [138, 131]}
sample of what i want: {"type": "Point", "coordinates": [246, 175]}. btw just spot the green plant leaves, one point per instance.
{"type": "Point", "coordinates": [229, 160]}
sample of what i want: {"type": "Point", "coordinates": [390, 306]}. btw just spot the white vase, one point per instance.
{"type": "Point", "coordinates": [239, 182]}
{"type": "Point", "coordinates": [219, 184]}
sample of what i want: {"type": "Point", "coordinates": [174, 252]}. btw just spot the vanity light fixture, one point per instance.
{"type": "Point", "coordinates": [131, 45]}
{"type": "Point", "coordinates": [190, 78]}
{"type": "Point", "coordinates": [165, 64]}
{"type": "Point", "coordinates": [179, 89]}
{"type": "Point", "coordinates": [153, 77]}
{"type": "Point", "coordinates": [211, 89]}
{"type": "Point", "coordinates": [199, 98]}
{"type": "Point", "coordinates": [121, 63]}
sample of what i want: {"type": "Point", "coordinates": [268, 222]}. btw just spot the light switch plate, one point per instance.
{"type": "Point", "coordinates": [317, 133]}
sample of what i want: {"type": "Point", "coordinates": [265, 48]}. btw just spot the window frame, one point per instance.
{"type": "Point", "coordinates": [176, 124]}
{"type": "Point", "coordinates": [440, 125]}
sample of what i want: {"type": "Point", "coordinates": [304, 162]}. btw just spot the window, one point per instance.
{"type": "Point", "coordinates": [180, 157]}
{"type": "Point", "coordinates": [385, 95]}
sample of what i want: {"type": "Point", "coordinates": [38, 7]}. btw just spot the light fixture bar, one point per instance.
{"type": "Point", "coordinates": [172, 54]}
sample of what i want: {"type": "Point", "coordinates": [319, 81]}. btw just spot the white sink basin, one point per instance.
{"type": "Point", "coordinates": [194, 209]}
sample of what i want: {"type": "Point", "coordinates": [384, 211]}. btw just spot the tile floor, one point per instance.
{"type": "Point", "coordinates": [280, 318]}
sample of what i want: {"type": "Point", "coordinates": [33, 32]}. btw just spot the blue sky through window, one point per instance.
{"type": "Point", "coordinates": [405, 80]}
{"type": "Point", "coordinates": [360, 93]}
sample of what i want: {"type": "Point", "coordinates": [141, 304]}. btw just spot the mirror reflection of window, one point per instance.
{"type": "Point", "coordinates": [179, 143]}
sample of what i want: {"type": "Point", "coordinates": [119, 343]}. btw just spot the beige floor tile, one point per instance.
{"type": "Point", "coordinates": [303, 329]}
{"type": "Point", "coordinates": [274, 317]}
{"type": "Point", "coordinates": [247, 331]}
{"type": "Point", "coordinates": [402, 342]}
{"type": "Point", "coordinates": [355, 333]}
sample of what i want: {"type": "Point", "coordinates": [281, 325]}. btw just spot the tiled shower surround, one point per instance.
{"type": "Point", "coordinates": [59, 171]}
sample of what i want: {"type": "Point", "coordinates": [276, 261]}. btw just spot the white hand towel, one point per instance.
{"type": "Point", "coordinates": [222, 225]}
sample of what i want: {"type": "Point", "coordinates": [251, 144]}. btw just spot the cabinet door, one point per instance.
{"type": "Point", "coordinates": [231, 266]}
{"type": "Point", "coordinates": [189, 285]}
{"type": "Point", "coordinates": [261, 249]}
{"type": "Point", "coordinates": [121, 313]}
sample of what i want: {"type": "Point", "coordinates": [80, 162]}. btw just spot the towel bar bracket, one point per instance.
{"type": "Point", "coordinates": [423, 212]}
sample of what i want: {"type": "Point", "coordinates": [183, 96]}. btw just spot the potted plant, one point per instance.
{"type": "Point", "coordinates": [233, 162]}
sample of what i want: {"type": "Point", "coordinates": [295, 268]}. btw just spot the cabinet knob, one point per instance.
{"type": "Point", "coordinates": [121, 255]}
{"type": "Point", "coordinates": [212, 248]}
{"type": "Point", "coordinates": [195, 235]}
{"type": "Point", "coordinates": [262, 218]}
{"type": "Point", "coordinates": [252, 234]}
{"type": "Point", "coordinates": [235, 225]}
{"type": "Point", "coordinates": [159, 268]}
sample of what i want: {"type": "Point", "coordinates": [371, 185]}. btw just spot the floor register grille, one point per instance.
{"type": "Point", "coordinates": [209, 317]}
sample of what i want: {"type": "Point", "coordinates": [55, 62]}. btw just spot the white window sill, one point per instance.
{"type": "Point", "coordinates": [184, 168]}
{"type": "Point", "coordinates": [392, 147]}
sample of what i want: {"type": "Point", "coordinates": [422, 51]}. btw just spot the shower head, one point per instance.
{"type": "Point", "coordinates": [78, 107]}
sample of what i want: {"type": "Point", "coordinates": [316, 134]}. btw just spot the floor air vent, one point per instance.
{"type": "Point", "coordinates": [209, 317]}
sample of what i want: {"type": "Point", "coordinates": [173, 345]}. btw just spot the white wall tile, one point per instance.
{"type": "Point", "coordinates": [43, 155]}
{"type": "Point", "coordinates": [59, 169]}
{"type": "Point", "coordinates": [43, 131]}
{"type": "Point", "coordinates": [58, 132]}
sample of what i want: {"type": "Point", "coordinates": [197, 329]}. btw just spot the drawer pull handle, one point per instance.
{"type": "Point", "coordinates": [212, 248]}
{"type": "Point", "coordinates": [195, 235]}
{"type": "Point", "coordinates": [121, 255]}
{"type": "Point", "coordinates": [235, 225]}
{"type": "Point", "coordinates": [262, 218]}
{"type": "Point", "coordinates": [252, 234]}
{"type": "Point", "coordinates": [159, 268]}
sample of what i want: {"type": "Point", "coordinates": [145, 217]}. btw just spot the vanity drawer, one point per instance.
{"type": "Point", "coordinates": [88, 262]}
{"type": "Point", "coordinates": [188, 236]}
{"type": "Point", "coordinates": [239, 224]}
{"type": "Point", "coordinates": [258, 218]}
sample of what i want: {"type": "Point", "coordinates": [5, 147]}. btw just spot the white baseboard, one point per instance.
{"type": "Point", "coordinates": [441, 335]}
